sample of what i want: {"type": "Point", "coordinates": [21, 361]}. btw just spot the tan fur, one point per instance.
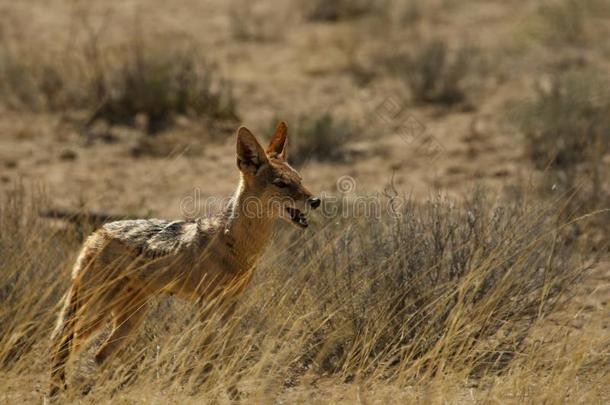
{"type": "Point", "coordinates": [123, 264]}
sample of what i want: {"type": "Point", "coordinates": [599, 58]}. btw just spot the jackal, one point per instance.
{"type": "Point", "coordinates": [123, 264]}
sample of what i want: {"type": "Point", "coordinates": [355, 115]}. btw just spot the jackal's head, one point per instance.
{"type": "Point", "coordinates": [271, 180]}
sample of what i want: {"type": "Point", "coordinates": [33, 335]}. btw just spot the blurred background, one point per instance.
{"type": "Point", "coordinates": [128, 106]}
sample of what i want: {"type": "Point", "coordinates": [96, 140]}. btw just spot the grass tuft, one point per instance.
{"type": "Point", "coordinates": [321, 138]}
{"type": "Point", "coordinates": [567, 128]}
{"type": "Point", "coordinates": [435, 75]}
{"type": "Point", "coordinates": [337, 10]}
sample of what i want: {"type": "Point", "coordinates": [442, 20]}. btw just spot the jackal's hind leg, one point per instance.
{"type": "Point", "coordinates": [86, 329]}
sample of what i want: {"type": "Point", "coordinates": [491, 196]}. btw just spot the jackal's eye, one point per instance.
{"type": "Point", "coordinates": [280, 183]}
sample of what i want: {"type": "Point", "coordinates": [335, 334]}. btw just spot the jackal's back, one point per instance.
{"type": "Point", "coordinates": [156, 237]}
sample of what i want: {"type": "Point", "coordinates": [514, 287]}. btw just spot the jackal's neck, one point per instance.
{"type": "Point", "coordinates": [247, 223]}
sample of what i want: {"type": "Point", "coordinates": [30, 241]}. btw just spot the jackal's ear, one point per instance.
{"type": "Point", "coordinates": [250, 153]}
{"type": "Point", "coordinates": [278, 145]}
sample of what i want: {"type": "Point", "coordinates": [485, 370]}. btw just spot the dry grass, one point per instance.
{"type": "Point", "coordinates": [322, 138]}
{"type": "Point", "coordinates": [568, 22]}
{"type": "Point", "coordinates": [160, 85]}
{"type": "Point", "coordinates": [257, 21]}
{"type": "Point", "coordinates": [433, 74]}
{"type": "Point", "coordinates": [443, 302]}
{"type": "Point", "coordinates": [567, 122]}
{"type": "Point", "coordinates": [337, 10]}
{"type": "Point", "coordinates": [564, 20]}
{"type": "Point", "coordinates": [567, 132]}
{"type": "Point", "coordinates": [150, 80]}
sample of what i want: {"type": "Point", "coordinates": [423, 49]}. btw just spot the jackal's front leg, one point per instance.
{"type": "Point", "coordinates": [128, 315]}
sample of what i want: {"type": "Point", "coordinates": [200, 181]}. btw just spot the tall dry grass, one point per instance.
{"type": "Point", "coordinates": [448, 301]}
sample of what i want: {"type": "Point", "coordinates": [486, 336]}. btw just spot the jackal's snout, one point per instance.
{"type": "Point", "coordinates": [314, 202]}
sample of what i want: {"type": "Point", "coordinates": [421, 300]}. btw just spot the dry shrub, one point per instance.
{"type": "Point", "coordinates": [567, 123]}
{"type": "Point", "coordinates": [336, 10]}
{"type": "Point", "coordinates": [433, 74]}
{"type": "Point", "coordinates": [564, 20]}
{"type": "Point", "coordinates": [410, 12]}
{"type": "Point", "coordinates": [154, 78]}
{"type": "Point", "coordinates": [258, 20]}
{"type": "Point", "coordinates": [397, 298]}
{"type": "Point", "coordinates": [568, 21]}
{"type": "Point", "coordinates": [398, 294]}
{"type": "Point", "coordinates": [567, 136]}
{"type": "Point", "coordinates": [161, 84]}
{"type": "Point", "coordinates": [320, 138]}
{"type": "Point", "coordinates": [25, 81]}
{"type": "Point", "coordinates": [567, 130]}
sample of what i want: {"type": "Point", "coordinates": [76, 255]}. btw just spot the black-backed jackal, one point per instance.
{"type": "Point", "coordinates": [124, 263]}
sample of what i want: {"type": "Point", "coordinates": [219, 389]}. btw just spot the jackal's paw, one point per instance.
{"type": "Point", "coordinates": [85, 379]}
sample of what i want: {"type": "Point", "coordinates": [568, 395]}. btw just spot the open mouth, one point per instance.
{"type": "Point", "coordinates": [297, 217]}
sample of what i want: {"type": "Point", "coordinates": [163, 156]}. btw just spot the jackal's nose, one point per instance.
{"type": "Point", "coordinates": [314, 202]}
